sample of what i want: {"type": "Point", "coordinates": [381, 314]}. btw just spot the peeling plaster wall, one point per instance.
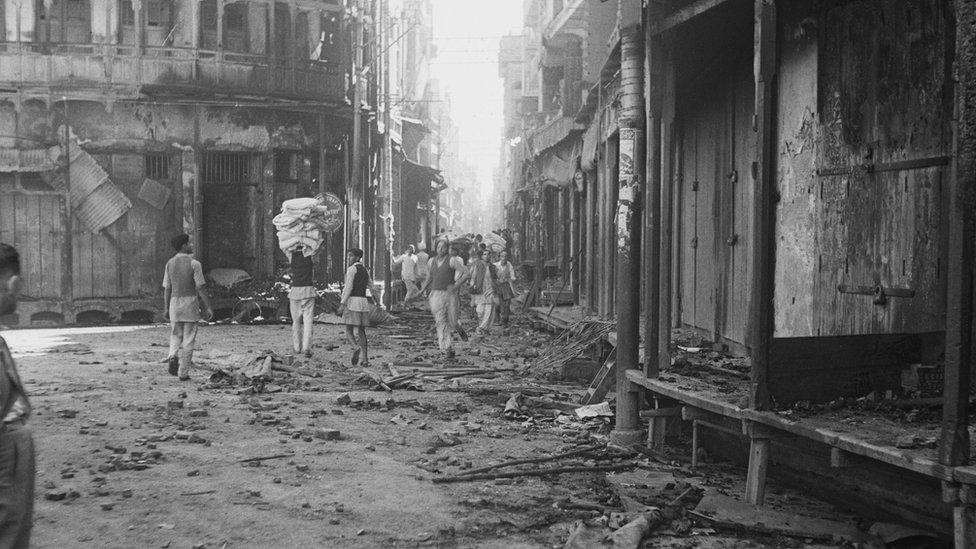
{"type": "Point", "coordinates": [863, 87]}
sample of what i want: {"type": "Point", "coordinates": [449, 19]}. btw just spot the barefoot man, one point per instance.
{"type": "Point", "coordinates": [445, 275]}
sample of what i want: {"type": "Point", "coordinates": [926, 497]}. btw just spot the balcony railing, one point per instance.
{"type": "Point", "coordinates": [81, 65]}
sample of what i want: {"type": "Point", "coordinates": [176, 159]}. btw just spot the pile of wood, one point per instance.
{"type": "Point", "coordinates": [571, 343]}
{"type": "Point", "coordinates": [409, 375]}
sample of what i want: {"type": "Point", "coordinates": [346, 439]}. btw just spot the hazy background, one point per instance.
{"type": "Point", "coordinates": [466, 33]}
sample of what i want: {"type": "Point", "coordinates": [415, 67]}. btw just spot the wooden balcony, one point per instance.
{"type": "Point", "coordinates": [167, 70]}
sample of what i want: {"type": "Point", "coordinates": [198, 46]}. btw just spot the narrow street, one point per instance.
{"type": "Point", "coordinates": [129, 456]}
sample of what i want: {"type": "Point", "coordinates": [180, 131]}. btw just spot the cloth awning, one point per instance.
{"type": "Point", "coordinates": [591, 139]}
{"type": "Point", "coordinates": [418, 173]}
{"type": "Point", "coordinates": [558, 166]}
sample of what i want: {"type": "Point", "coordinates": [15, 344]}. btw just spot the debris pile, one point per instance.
{"type": "Point", "coordinates": [571, 343]}
{"type": "Point", "coordinates": [266, 372]}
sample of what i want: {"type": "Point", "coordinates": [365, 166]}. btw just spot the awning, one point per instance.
{"type": "Point", "coordinates": [590, 141]}
{"type": "Point", "coordinates": [558, 166]}
{"type": "Point", "coordinates": [418, 173]}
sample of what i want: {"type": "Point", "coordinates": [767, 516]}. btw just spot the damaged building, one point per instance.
{"type": "Point", "coordinates": [798, 189]}
{"type": "Point", "coordinates": [125, 123]}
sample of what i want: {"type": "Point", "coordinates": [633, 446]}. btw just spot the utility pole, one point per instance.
{"type": "Point", "coordinates": [354, 202]}
{"type": "Point", "coordinates": [386, 180]}
{"type": "Point", "coordinates": [626, 430]}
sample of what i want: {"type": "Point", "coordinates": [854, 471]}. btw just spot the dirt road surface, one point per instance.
{"type": "Point", "coordinates": [128, 456]}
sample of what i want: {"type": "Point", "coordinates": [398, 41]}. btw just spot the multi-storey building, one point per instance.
{"type": "Point", "coordinates": [125, 123]}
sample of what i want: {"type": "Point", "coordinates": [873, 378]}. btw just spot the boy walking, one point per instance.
{"type": "Point", "coordinates": [183, 292]}
{"type": "Point", "coordinates": [16, 442]}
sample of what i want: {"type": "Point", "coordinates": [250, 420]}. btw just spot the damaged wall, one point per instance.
{"type": "Point", "coordinates": [155, 158]}
{"type": "Point", "coordinates": [864, 136]}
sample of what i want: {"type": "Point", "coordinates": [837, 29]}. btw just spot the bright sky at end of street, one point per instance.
{"type": "Point", "coordinates": [466, 33]}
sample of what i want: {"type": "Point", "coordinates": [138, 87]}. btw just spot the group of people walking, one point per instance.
{"type": "Point", "coordinates": [488, 278]}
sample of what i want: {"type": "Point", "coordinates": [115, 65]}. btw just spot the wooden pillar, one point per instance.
{"type": "Point", "coordinates": [668, 172]}
{"type": "Point", "coordinates": [758, 465]}
{"type": "Point", "coordinates": [652, 206]}
{"type": "Point", "coordinates": [272, 46]}
{"type": "Point", "coordinates": [959, 289]}
{"type": "Point", "coordinates": [591, 249]}
{"type": "Point", "coordinates": [220, 25]}
{"type": "Point", "coordinates": [194, 6]}
{"type": "Point", "coordinates": [763, 243]}
{"type": "Point", "coordinates": [139, 20]}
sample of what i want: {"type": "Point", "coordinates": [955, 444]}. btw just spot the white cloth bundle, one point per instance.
{"type": "Point", "coordinates": [299, 226]}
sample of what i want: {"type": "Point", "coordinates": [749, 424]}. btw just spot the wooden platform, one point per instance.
{"type": "Point", "coordinates": [872, 437]}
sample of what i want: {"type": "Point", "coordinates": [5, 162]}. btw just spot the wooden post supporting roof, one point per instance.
{"type": "Point", "coordinates": [653, 85]}
{"type": "Point", "coordinates": [962, 235]}
{"type": "Point", "coordinates": [760, 328]}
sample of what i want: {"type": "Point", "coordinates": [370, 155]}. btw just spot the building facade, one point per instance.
{"type": "Point", "coordinates": [125, 123]}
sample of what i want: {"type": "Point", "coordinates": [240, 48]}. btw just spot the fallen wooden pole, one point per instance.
{"type": "Point", "coordinates": [535, 460]}
{"type": "Point", "coordinates": [760, 529]}
{"type": "Point", "coordinates": [265, 458]}
{"type": "Point", "coordinates": [538, 473]}
{"type": "Point", "coordinates": [201, 493]}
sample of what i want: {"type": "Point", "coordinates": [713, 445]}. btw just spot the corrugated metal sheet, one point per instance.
{"type": "Point", "coordinates": [154, 194]}
{"type": "Point", "coordinates": [94, 198]}
{"type": "Point", "coordinates": [26, 160]}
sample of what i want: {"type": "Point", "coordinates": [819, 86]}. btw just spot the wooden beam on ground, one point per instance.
{"type": "Point", "coordinates": [760, 325]}
{"type": "Point", "coordinates": [684, 15]}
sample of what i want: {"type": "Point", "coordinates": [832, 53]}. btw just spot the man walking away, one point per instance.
{"type": "Point", "coordinates": [422, 260]}
{"type": "Point", "coordinates": [16, 442]}
{"type": "Point", "coordinates": [301, 298]}
{"type": "Point", "coordinates": [506, 289]}
{"type": "Point", "coordinates": [446, 274]}
{"type": "Point", "coordinates": [483, 275]}
{"type": "Point", "coordinates": [408, 273]}
{"type": "Point", "coordinates": [183, 288]}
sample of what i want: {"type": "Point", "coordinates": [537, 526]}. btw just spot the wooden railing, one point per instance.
{"type": "Point", "coordinates": [107, 65]}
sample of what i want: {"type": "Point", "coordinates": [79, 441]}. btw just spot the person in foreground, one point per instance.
{"type": "Point", "coordinates": [354, 307]}
{"type": "Point", "coordinates": [16, 442]}
{"type": "Point", "coordinates": [446, 274]}
{"type": "Point", "coordinates": [183, 288]}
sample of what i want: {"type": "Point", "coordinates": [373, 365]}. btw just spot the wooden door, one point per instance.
{"type": "Point", "coordinates": [717, 146]}
{"type": "Point", "coordinates": [34, 224]}
{"type": "Point", "coordinates": [739, 211]}
{"type": "Point", "coordinates": [225, 179]}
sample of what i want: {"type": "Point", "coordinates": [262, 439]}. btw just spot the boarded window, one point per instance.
{"type": "Point", "coordinates": [127, 14]}
{"type": "Point", "coordinates": [208, 24]}
{"type": "Point", "coordinates": [159, 13]}
{"type": "Point", "coordinates": [8, 182]}
{"type": "Point", "coordinates": [157, 166]}
{"type": "Point", "coordinates": [224, 168]}
{"type": "Point", "coordinates": [286, 165]}
{"type": "Point", "coordinates": [235, 27]}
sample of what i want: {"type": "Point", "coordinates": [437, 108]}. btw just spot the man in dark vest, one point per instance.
{"type": "Point", "coordinates": [301, 297]}
{"type": "Point", "coordinates": [16, 442]}
{"type": "Point", "coordinates": [445, 274]}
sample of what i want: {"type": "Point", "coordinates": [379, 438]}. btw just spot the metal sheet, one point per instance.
{"type": "Point", "coordinates": [94, 198]}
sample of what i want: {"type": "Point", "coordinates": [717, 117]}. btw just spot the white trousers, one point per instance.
{"type": "Point", "coordinates": [302, 316]}
{"type": "Point", "coordinates": [444, 306]}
